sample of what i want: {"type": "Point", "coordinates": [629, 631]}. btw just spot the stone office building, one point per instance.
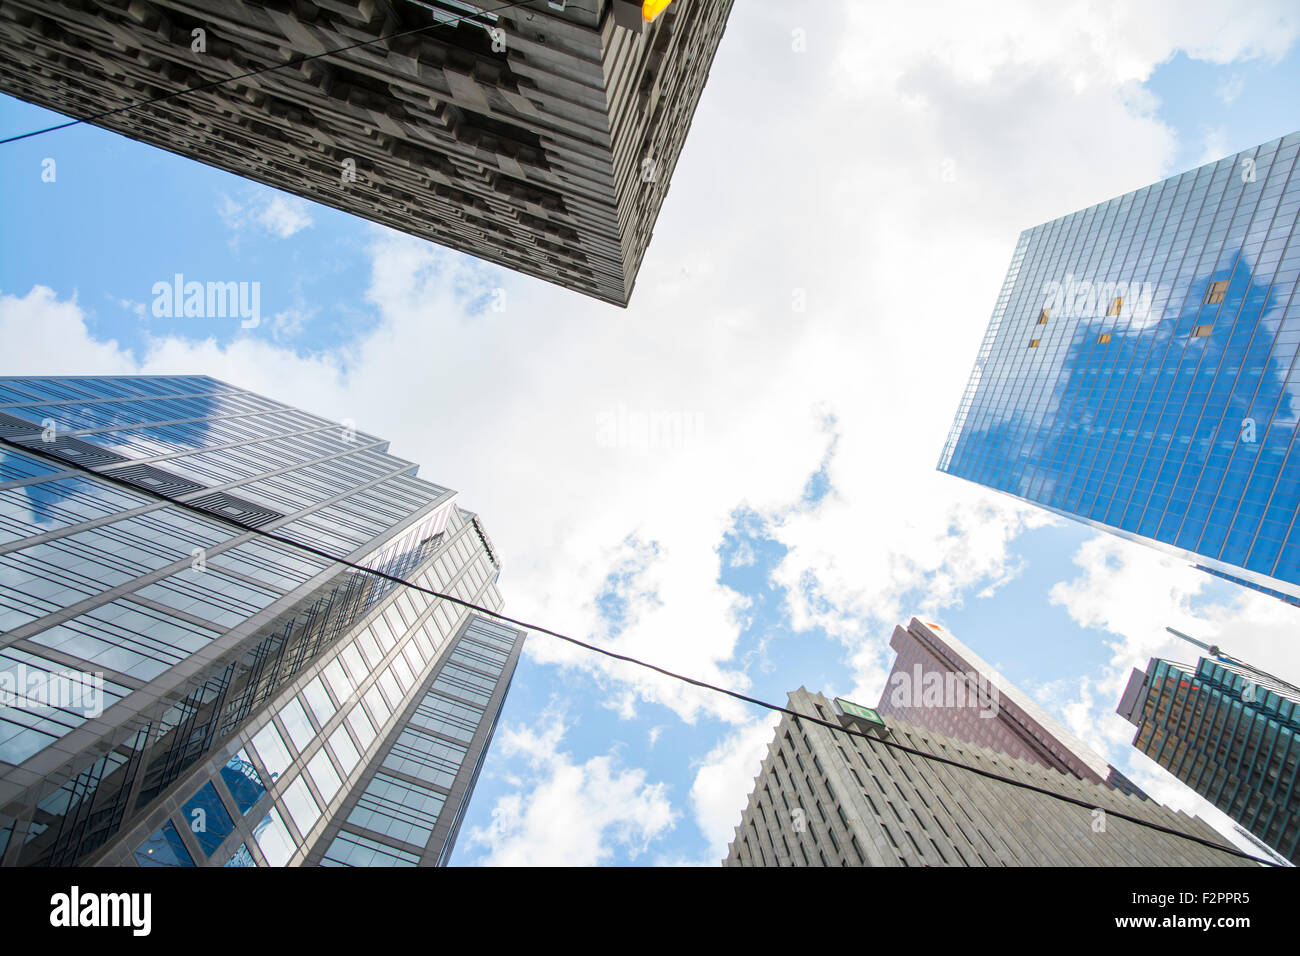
{"type": "Point", "coordinates": [540, 135]}
{"type": "Point", "coordinates": [825, 798]}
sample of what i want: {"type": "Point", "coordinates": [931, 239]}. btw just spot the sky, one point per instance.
{"type": "Point", "coordinates": [822, 271]}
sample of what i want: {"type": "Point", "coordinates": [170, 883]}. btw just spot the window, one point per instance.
{"type": "Point", "coordinates": [361, 725]}
{"type": "Point", "coordinates": [320, 702]}
{"type": "Point", "coordinates": [1103, 338]}
{"type": "Point", "coordinates": [274, 754]}
{"type": "Point", "coordinates": [1202, 331]}
{"type": "Point", "coordinates": [325, 776]}
{"type": "Point", "coordinates": [339, 680]}
{"type": "Point", "coordinates": [273, 839]}
{"type": "Point", "coordinates": [296, 723]}
{"type": "Point", "coordinates": [378, 706]}
{"type": "Point", "coordinates": [301, 805]}
{"type": "Point", "coordinates": [1115, 305]}
{"type": "Point", "coordinates": [1216, 292]}
{"type": "Point", "coordinates": [207, 818]}
{"type": "Point", "coordinates": [163, 848]}
{"type": "Point", "coordinates": [242, 781]}
{"type": "Point", "coordinates": [241, 857]}
{"type": "Point", "coordinates": [344, 749]}
{"type": "Point", "coordinates": [1034, 343]}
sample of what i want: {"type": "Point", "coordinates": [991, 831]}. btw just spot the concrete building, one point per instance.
{"type": "Point", "coordinates": [540, 135]}
{"type": "Point", "coordinates": [1231, 733]}
{"type": "Point", "coordinates": [939, 683]}
{"type": "Point", "coordinates": [176, 690]}
{"type": "Point", "coordinates": [826, 798]}
{"type": "Point", "coordinates": [1139, 372]}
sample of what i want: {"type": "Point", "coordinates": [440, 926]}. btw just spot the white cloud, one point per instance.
{"type": "Point", "coordinates": [743, 556]}
{"type": "Point", "coordinates": [1214, 146]}
{"type": "Point", "coordinates": [840, 191]}
{"type": "Point", "coordinates": [54, 337]}
{"type": "Point", "coordinates": [900, 270]}
{"type": "Point", "coordinates": [571, 814]}
{"type": "Point", "coordinates": [1133, 593]}
{"type": "Point", "coordinates": [138, 309]}
{"type": "Point", "coordinates": [275, 213]}
{"type": "Point", "coordinates": [284, 215]}
{"type": "Point", "coordinates": [725, 779]}
{"type": "Point", "coordinates": [1230, 89]}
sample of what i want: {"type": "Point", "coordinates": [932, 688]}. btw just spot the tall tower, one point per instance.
{"type": "Point", "coordinates": [180, 689]}
{"type": "Point", "coordinates": [1139, 371]}
{"type": "Point", "coordinates": [1231, 733]}
{"type": "Point", "coordinates": [537, 134]}
{"type": "Point", "coordinates": [939, 683]}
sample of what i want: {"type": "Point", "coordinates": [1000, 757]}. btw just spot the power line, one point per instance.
{"type": "Point", "coordinates": [526, 626]}
{"type": "Point", "coordinates": [262, 69]}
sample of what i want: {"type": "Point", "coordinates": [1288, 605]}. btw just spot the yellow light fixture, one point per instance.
{"type": "Point", "coordinates": [652, 8]}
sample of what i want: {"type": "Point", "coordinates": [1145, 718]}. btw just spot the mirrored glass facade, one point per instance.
{"type": "Point", "coordinates": [178, 690]}
{"type": "Point", "coordinates": [1139, 370]}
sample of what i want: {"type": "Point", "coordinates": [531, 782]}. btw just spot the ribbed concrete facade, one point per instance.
{"type": "Point", "coordinates": [825, 798]}
{"type": "Point", "coordinates": [541, 137]}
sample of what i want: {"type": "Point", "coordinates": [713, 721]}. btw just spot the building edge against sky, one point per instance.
{"type": "Point", "coordinates": [939, 683]}
{"type": "Point", "coordinates": [255, 704]}
{"type": "Point", "coordinates": [1138, 373]}
{"type": "Point", "coordinates": [824, 798]}
{"type": "Point", "coordinates": [537, 135]}
{"type": "Point", "coordinates": [1229, 732]}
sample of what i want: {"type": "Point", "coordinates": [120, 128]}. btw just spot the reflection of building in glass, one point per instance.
{"type": "Point", "coordinates": [939, 683]}
{"type": "Point", "coordinates": [1138, 373]}
{"type": "Point", "coordinates": [537, 134]}
{"type": "Point", "coordinates": [253, 693]}
{"type": "Point", "coordinates": [1231, 733]}
{"type": "Point", "coordinates": [826, 798]}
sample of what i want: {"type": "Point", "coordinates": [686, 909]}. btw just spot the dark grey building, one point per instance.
{"type": "Point", "coordinates": [825, 798]}
{"type": "Point", "coordinates": [1231, 733]}
{"type": "Point", "coordinates": [176, 690]}
{"type": "Point", "coordinates": [540, 135]}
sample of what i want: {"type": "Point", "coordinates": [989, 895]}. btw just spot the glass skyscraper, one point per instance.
{"type": "Point", "coordinates": [1139, 372]}
{"type": "Point", "coordinates": [1229, 732]}
{"type": "Point", "coordinates": [177, 690]}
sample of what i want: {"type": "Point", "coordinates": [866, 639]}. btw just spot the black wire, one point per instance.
{"type": "Point", "coordinates": [262, 69]}
{"type": "Point", "coordinates": [797, 715]}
